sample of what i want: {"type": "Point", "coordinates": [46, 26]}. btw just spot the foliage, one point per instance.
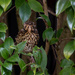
{"type": "Point", "coordinates": [10, 52]}
{"type": "Point", "coordinates": [69, 7]}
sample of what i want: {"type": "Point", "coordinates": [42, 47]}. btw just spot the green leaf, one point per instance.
{"type": "Point", "coordinates": [3, 27]}
{"type": "Point", "coordinates": [9, 42]}
{"type": "Point", "coordinates": [44, 59]}
{"type": "Point", "coordinates": [1, 63]}
{"type": "Point", "coordinates": [1, 10]}
{"type": "Point", "coordinates": [69, 49]}
{"type": "Point", "coordinates": [73, 4]}
{"type": "Point", "coordinates": [48, 34]}
{"type": "Point", "coordinates": [70, 17]}
{"type": "Point", "coordinates": [19, 3]}
{"type": "Point", "coordinates": [73, 70]}
{"type": "Point", "coordinates": [14, 58]}
{"type": "Point", "coordinates": [5, 3]}
{"type": "Point", "coordinates": [8, 66]}
{"type": "Point", "coordinates": [9, 6]}
{"type": "Point", "coordinates": [22, 65]}
{"type": "Point", "coordinates": [30, 73]}
{"type": "Point", "coordinates": [39, 73]}
{"type": "Point", "coordinates": [35, 5]}
{"type": "Point", "coordinates": [20, 46]}
{"type": "Point", "coordinates": [66, 71]}
{"type": "Point", "coordinates": [4, 53]}
{"type": "Point", "coordinates": [25, 12]}
{"type": "Point", "coordinates": [5, 71]}
{"type": "Point", "coordinates": [66, 63]}
{"type": "Point", "coordinates": [61, 6]}
{"type": "Point", "coordinates": [58, 34]}
{"type": "Point", "coordinates": [47, 19]}
{"type": "Point", "coordinates": [37, 55]}
{"type": "Point", "coordinates": [2, 36]}
{"type": "Point", "coordinates": [53, 41]}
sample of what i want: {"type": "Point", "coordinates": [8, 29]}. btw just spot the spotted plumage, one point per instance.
{"type": "Point", "coordinates": [29, 33]}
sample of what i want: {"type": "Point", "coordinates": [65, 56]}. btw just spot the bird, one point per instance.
{"type": "Point", "coordinates": [30, 34]}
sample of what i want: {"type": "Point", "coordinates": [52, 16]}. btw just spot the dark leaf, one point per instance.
{"type": "Point", "coordinates": [19, 3]}
{"type": "Point", "coordinates": [1, 10]}
{"type": "Point", "coordinates": [44, 59]}
{"type": "Point", "coordinates": [30, 73]}
{"type": "Point", "coordinates": [35, 5]}
{"type": "Point", "coordinates": [47, 19]}
{"type": "Point", "coordinates": [65, 71]}
{"type": "Point", "coordinates": [66, 63]}
{"type": "Point", "coordinates": [37, 55]}
{"type": "Point", "coordinates": [25, 12]}
{"type": "Point", "coordinates": [58, 34]}
{"type": "Point", "coordinates": [53, 41]}
{"type": "Point", "coordinates": [48, 34]}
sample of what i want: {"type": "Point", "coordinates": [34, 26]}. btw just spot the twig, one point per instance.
{"type": "Point", "coordinates": [46, 13]}
{"type": "Point", "coordinates": [51, 12]}
{"type": "Point", "coordinates": [7, 12]}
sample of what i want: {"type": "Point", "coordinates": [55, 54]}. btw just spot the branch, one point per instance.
{"type": "Point", "coordinates": [46, 13]}
{"type": "Point", "coordinates": [51, 12]}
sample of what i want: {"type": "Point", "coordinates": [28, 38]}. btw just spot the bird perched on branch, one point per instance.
{"type": "Point", "coordinates": [29, 33]}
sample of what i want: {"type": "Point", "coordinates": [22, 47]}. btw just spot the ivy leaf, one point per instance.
{"type": "Point", "coordinates": [4, 71]}
{"type": "Point", "coordinates": [1, 10]}
{"type": "Point", "coordinates": [9, 42]}
{"type": "Point", "coordinates": [9, 6]}
{"type": "Point", "coordinates": [24, 12]}
{"type": "Point", "coordinates": [35, 5]}
{"type": "Point", "coordinates": [22, 65]}
{"type": "Point", "coordinates": [69, 49]}
{"type": "Point", "coordinates": [8, 66]}
{"type": "Point", "coordinates": [2, 36]}
{"type": "Point", "coordinates": [73, 4]}
{"type": "Point", "coordinates": [4, 53]}
{"type": "Point", "coordinates": [5, 3]}
{"type": "Point", "coordinates": [20, 46]}
{"type": "Point", "coordinates": [53, 41]}
{"type": "Point", "coordinates": [30, 73]}
{"type": "Point", "coordinates": [19, 3]}
{"type": "Point", "coordinates": [14, 58]}
{"type": "Point", "coordinates": [48, 34]}
{"type": "Point", "coordinates": [47, 19]}
{"type": "Point", "coordinates": [66, 71]}
{"type": "Point", "coordinates": [73, 70]}
{"type": "Point", "coordinates": [1, 63]}
{"type": "Point", "coordinates": [37, 55]}
{"type": "Point", "coordinates": [3, 27]}
{"type": "Point", "coordinates": [58, 34]}
{"type": "Point", "coordinates": [66, 63]}
{"type": "Point", "coordinates": [70, 17]}
{"type": "Point", "coordinates": [61, 6]}
{"type": "Point", "coordinates": [44, 59]}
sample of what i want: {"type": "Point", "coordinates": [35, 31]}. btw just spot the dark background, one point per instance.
{"type": "Point", "coordinates": [13, 31]}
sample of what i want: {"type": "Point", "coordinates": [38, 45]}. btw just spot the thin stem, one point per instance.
{"type": "Point", "coordinates": [46, 13]}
